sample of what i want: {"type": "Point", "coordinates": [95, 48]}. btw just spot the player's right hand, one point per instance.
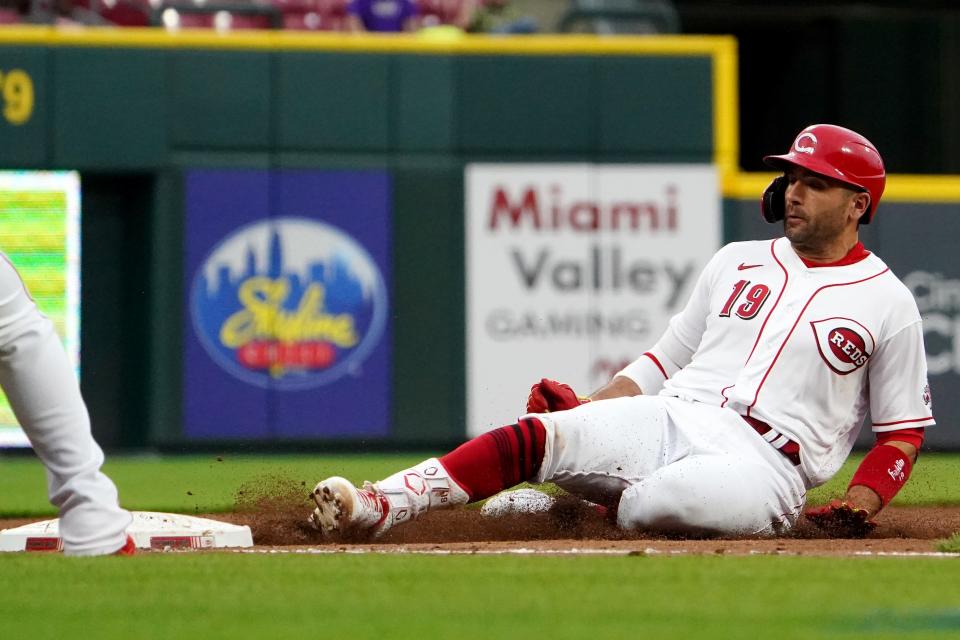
{"type": "Point", "coordinates": [550, 395]}
{"type": "Point", "coordinates": [839, 519]}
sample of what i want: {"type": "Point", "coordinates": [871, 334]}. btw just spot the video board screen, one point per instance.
{"type": "Point", "coordinates": [40, 234]}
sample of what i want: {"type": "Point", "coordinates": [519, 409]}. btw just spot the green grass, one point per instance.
{"type": "Point", "coordinates": [193, 483]}
{"type": "Point", "coordinates": [950, 545]}
{"type": "Point", "coordinates": [208, 483]}
{"type": "Point", "coordinates": [236, 595]}
{"type": "Point", "coordinates": [256, 596]}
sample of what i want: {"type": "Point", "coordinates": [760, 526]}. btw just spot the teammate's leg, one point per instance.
{"type": "Point", "coordinates": [43, 391]}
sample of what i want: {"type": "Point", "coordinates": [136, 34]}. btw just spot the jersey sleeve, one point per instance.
{"type": "Point", "coordinates": [899, 392]}
{"type": "Point", "coordinates": [675, 348]}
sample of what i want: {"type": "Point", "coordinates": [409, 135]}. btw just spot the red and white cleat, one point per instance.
{"type": "Point", "coordinates": [375, 508]}
{"type": "Point", "coordinates": [128, 549]}
{"type": "Point", "coordinates": [344, 508]}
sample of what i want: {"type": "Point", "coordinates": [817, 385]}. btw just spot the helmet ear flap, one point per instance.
{"type": "Point", "coordinates": [773, 202]}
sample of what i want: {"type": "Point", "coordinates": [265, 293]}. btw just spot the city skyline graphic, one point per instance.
{"type": "Point", "coordinates": [288, 302]}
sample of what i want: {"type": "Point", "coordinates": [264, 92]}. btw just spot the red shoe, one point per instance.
{"type": "Point", "coordinates": [128, 549]}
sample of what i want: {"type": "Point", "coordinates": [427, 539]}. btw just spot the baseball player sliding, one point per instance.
{"type": "Point", "coordinates": [43, 393]}
{"type": "Point", "coordinates": [754, 394]}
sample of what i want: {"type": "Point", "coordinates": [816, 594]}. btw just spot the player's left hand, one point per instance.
{"type": "Point", "coordinates": [550, 395]}
{"type": "Point", "coordinates": [840, 519]}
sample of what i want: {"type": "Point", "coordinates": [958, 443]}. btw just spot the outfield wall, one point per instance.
{"type": "Point", "coordinates": [154, 120]}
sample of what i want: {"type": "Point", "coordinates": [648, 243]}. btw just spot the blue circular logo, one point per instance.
{"type": "Point", "coordinates": [289, 303]}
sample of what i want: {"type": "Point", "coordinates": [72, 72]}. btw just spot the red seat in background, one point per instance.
{"type": "Point", "coordinates": [246, 21]}
{"type": "Point", "coordinates": [189, 14]}
{"type": "Point", "coordinates": [219, 15]}
{"type": "Point", "coordinates": [434, 12]}
{"type": "Point", "coordinates": [222, 21]}
{"type": "Point", "coordinates": [123, 13]}
{"type": "Point", "coordinates": [301, 15]}
{"type": "Point", "coordinates": [187, 20]}
{"type": "Point", "coordinates": [313, 15]}
{"type": "Point", "coordinates": [9, 16]}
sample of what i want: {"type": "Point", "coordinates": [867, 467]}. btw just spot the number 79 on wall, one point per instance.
{"type": "Point", "coordinates": [16, 89]}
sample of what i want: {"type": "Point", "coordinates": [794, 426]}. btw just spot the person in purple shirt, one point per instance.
{"type": "Point", "coordinates": [382, 15]}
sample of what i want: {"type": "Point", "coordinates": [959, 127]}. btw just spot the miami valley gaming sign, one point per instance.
{"type": "Point", "coordinates": [287, 304]}
{"type": "Point", "coordinates": [573, 270]}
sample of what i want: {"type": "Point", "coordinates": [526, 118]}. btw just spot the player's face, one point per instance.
{"type": "Point", "coordinates": [818, 209]}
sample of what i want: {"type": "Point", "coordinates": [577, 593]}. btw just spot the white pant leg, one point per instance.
{"type": "Point", "coordinates": [45, 396]}
{"type": "Point", "coordinates": [600, 448]}
{"type": "Point", "coordinates": [673, 466]}
{"type": "Point", "coordinates": [716, 494]}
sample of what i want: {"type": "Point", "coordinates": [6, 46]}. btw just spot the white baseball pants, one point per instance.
{"type": "Point", "coordinates": [672, 466]}
{"type": "Point", "coordinates": [45, 396]}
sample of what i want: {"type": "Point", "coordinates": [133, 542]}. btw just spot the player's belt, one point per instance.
{"type": "Point", "coordinates": [777, 440]}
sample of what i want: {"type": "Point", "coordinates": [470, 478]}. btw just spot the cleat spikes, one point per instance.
{"type": "Point", "coordinates": [344, 509]}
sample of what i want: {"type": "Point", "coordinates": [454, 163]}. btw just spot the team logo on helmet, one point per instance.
{"type": "Point", "coordinates": [801, 147]}
{"type": "Point", "coordinates": [289, 303]}
{"type": "Point", "coordinates": [844, 344]}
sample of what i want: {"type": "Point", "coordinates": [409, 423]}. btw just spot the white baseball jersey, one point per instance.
{"type": "Point", "coordinates": [808, 350]}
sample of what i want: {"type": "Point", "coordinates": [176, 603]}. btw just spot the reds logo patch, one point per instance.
{"type": "Point", "coordinates": [844, 344]}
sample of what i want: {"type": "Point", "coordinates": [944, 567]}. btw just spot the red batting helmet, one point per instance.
{"type": "Point", "coordinates": [837, 153]}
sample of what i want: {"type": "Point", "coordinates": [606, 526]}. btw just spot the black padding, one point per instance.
{"type": "Point", "coordinates": [773, 202]}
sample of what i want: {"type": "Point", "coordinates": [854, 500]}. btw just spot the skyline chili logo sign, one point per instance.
{"type": "Point", "coordinates": [286, 312]}
{"type": "Point", "coordinates": [291, 303]}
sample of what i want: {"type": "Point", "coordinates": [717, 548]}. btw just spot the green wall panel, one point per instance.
{"type": "Point", "coordinates": [23, 143]}
{"type": "Point", "coordinates": [220, 99]}
{"type": "Point", "coordinates": [165, 315]}
{"type": "Point", "coordinates": [305, 160]}
{"type": "Point", "coordinates": [659, 107]}
{"type": "Point", "coordinates": [527, 104]}
{"type": "Point", "coordinates": [109, 109]}
{"type": "Point", "coordinates": [425, 89]}
{"type": "Point", "coordinates": [332, 101]}
{"type": "Point", "coordinates": [221, 160]}
{"type": "Point", "coordinates": [428, 300]}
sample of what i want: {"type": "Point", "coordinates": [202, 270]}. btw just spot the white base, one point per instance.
{"type": "Point", "coordinates": [519, 501]}
{"type": "Point", "coordinates": [150, 530]}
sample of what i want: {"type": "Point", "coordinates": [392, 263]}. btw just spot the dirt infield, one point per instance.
{"type": "Point", "coordinates": [280, 523]}
{"type": "Point", "coordinates": [570, 526]}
